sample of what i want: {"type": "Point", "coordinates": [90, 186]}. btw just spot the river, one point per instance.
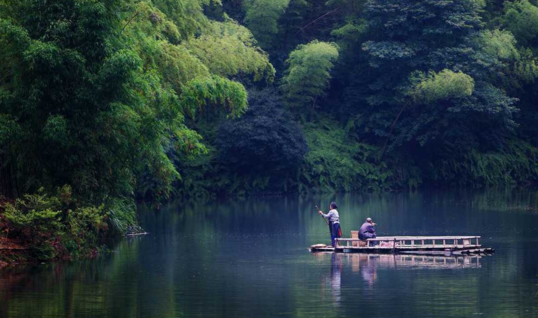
{"type": "Point", "coordinates": [249, 258]}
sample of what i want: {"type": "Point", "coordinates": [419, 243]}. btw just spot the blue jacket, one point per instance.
{"type": "Point", "coordinates": [366, 228]}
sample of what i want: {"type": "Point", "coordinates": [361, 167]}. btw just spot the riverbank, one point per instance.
{"type": "Point", "coordinates": [12, 253]}
{"type": "Point", "coordinates": [43, 227]}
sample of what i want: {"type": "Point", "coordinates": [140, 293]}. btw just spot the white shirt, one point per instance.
{"type": "Point", "coordinates": [333, 216]}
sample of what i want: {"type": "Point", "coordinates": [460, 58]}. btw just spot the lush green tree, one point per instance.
{"type": "Point", "coordinates": [196, 69]}
{"type": "Point", "coordinates": [261, 18]}
{"type": "Point", "coordinates": [228, 49]}
{"type": "Point", "coordinates": [70, 115]}
{"type": "Point", "coordinates": [263, 141]}
{"type": "Point", "coordinates": [187, 15]}
{"type": "Point", "coordinates": [521, 18]}
{"type": "Point", "coordinates": [289, 30]}
{"type": "Point", "coordinates": [500, 44]}
{"type": "Point", "coordinates": [309, 71]}
{"type": "Point", "coordinates": [418, 37]}
{"type": "Point", "coordinates": [445, 85]}
{"type": "Point", "coordinates": [350, 29]}
{"type": "Point", "coordinates": [94, 93]}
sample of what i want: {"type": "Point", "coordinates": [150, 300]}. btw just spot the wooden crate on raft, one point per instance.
{"type": "Point", "coordinates": [355, 235]}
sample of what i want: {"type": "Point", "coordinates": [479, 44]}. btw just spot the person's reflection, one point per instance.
{"type": "Point", "coordinates": [335, 279]}
{"type": "Point", "coordinates": [369, 269]}
{"type": "Point", "coordinates": [366, 265]}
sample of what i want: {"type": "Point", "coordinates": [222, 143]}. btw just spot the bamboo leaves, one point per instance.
{"type": "Point", "coordinates": [228, 49]}
{"type": "Point", "coordinates": [308, 73]}
{"type": "Point", "coordinates": [444, 85]}
{"type": "Point", "coordinates": [262, 18]}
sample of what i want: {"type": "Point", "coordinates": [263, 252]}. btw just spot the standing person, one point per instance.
{"type": "Point", "coordinates": [367, 230]}
{"type": "Point", "coordinates": [334, 222]}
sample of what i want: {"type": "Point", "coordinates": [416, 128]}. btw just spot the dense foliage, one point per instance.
{"type": "Point", "coordinates": [446, 106]}
{"type": "Point", "coordinates": [262, 16]}
{"type": "Point", "coordinates": [54, 226]}
{"type": "Point", "coordinates": [263, 141]}
{"type": "Point", "coordinates": [308, 73]}
{"type": "Point", "coordinates": [121, 98]}
{"type": "Point", "coordinates": [94, 95]}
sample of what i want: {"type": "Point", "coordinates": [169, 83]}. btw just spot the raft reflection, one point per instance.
{"type": "Point", "coordinates": [368, 264]}
{"type": "Point", "coordinates": [412, 261]}
{"type": "Point", "coordinates": [359, 260]}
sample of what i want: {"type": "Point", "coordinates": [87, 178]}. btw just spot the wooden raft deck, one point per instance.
{"type": "Point", "coordinates": [429, 245]}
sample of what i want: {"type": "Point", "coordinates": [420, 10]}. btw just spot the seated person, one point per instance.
{"type": "Point", "coordinates": [367, 230]}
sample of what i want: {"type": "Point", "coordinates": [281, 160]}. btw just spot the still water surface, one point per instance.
{"type": "Point", "coordinates": [250, 259]}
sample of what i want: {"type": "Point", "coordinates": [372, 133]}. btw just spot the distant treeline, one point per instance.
{"type": "Point", "coordinates": [109, 100]}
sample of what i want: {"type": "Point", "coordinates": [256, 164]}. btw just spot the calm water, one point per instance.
{"type": "Point", "coordinates": [250, 259]}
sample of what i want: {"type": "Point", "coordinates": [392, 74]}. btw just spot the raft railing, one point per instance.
{"type": "Point", "coordinates": [411, 242]}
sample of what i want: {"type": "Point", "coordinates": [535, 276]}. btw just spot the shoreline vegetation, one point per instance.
{"type": "Point", "coordinates": [43, 227]}
{"type": "Point", "coordinates": [104, 103]}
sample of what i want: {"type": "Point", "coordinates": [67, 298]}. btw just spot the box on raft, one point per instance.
{"type": "Point", "coordinates": [427, 245]}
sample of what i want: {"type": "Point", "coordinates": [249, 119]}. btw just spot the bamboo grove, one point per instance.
{"type": "Point", "coordinates": [103, 102]}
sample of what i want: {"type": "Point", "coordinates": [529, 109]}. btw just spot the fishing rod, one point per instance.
{"type": "Point", "coordinates": [327, 222]}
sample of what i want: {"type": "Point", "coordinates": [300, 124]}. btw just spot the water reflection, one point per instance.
{"type": "Point", "coordinates": [336, 277]}
{"type": "Point", "coordinates": [367, 266]}
{"type": "Point", "coordinates": [361, 261]}
{"type": "Point", "coordinates": [250, 259]}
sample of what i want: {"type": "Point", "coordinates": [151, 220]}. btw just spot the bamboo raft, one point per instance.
{"type": "Point", "coordinates": [417, 245]}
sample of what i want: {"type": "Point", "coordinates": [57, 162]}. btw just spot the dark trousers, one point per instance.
{"type": "Point", "coordinates": [336, 232]}
{"type": "Point", "coordinates": [367, 235]}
